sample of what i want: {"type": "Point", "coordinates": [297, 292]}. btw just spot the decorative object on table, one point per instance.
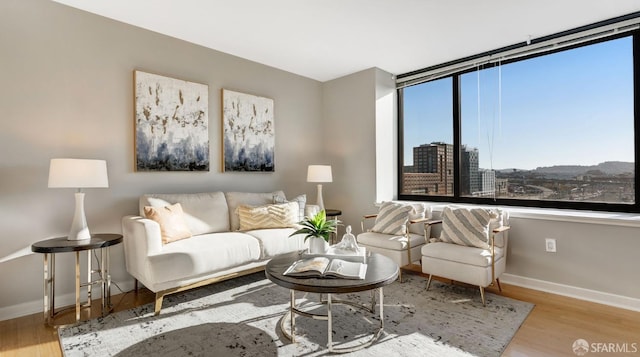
{"type": "Point", "coordinates": [348, 244]}
{"type": "Point", "coordinates": [319, 173]}
{"type": "Point", "coordinates": [318, 229]}
{"type": "Point", "coordinates": [172, 120]}
{"type": "Point", "coordinates": [78, 174]}
{"type": "Point", "coordinates": [447, 320]}
{"type": "Point", "coordinates": [248, 132]}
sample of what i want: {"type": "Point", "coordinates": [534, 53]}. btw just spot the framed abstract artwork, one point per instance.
{"type": "Point", "coordinates": [248, 132]}
{"type": "Point", "coordinates": [171, 124]}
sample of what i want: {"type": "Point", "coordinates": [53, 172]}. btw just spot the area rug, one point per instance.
{"type": "Point", "coordinates": [241, 317]}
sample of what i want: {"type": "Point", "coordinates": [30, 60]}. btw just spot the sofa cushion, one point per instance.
{"type": "Point", "coordinates": [171, 220]}
{"type": "Point", "coordinates": [392, 218]}
{"type": "Point", "coordinates": [460, 253]}
{"type": "Point", "coordinates": [276, 241]}
{"type": "Point", "coordinates": [203, 212]}
{"type": "Point", "coordinates": [235, 199]}
{"type": "Point", "coordinates": [203, 254]}
{"type": "Point", "coordinates": [388, 241]}
{"type": "Point", "coordinates": [268, 216]}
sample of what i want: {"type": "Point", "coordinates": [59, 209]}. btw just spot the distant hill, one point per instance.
{"type": "Point", "coordinates": [607, 168]}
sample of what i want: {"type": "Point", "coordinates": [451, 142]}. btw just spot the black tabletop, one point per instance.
{"type": "Point", "coordinates": [62, 245]}
{"type": "Point", "coordinates": [333, 212]}
{"type": "Point", "coordinates": [381, 271]}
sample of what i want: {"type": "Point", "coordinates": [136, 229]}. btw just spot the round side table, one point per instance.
{"type": "Point", "coordinates": [62, 245]}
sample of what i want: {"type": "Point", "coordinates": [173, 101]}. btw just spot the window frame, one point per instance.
{"type": "Point", "coordinates": [457, 122]}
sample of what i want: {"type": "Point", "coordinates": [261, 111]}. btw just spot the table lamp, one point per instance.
{"type": "Point", "coordinates": [319, 173]}
{"type": "Point", "coordinates": [78, 174]}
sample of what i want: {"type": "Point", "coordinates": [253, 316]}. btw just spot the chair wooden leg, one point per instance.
{"type": "Point", "coordinates": [429, 282]}
{"type": "Point", "coordinates": [499, 287]}
{"type": "Point", "coordinates": [482, 296]}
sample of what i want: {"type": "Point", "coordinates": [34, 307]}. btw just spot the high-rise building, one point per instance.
{"type": "Point", "coordinates": [470, 181]}
{"type": "Point", "coordinates": [432, 171]}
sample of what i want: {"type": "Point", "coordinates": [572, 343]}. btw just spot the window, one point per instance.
{"type": "Point", "coordinates": [549, 130]}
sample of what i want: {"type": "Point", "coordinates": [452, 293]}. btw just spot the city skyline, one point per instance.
{"type": "Point", "coordinates": [574, 107]}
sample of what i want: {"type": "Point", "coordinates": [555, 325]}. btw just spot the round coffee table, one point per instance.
{"type": "Point", "coordinates": [381, 271]}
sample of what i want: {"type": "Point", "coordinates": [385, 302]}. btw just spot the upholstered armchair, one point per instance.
{"type": "Point", "coordinates": [472, 247]}
{"type": "Point", "coordinates": [398, 232]}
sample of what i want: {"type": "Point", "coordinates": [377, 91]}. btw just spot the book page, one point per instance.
{"type": "Point", "coordinates": [317, 264]}
{"type": "Point", "coordinates": [345, 269]}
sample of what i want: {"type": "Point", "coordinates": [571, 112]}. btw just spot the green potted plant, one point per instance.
{"type": "Point", "coordinates": [319, 229]}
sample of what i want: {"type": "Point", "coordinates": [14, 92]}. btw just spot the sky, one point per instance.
{"type": "Point", "coordinates": [573, 107]}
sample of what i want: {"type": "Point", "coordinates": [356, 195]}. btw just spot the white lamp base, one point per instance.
{"type": "Point", "coordinates": [79, 229]}
{"type": "Point", "coordinates": [320, 203]}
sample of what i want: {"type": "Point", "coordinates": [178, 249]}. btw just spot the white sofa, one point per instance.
{"type": "Point", "coordinates": [216, 251]}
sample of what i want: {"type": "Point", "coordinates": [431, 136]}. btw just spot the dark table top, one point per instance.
{"type": "Point", "coordinates": [381, 271]}
{"type": "Point", "coordinates": [62, 245]}
{"type": "Point", "coordinates": [333, 212]}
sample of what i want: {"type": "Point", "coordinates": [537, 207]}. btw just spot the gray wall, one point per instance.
{"type": "Point", "coordinates": [67, 91]}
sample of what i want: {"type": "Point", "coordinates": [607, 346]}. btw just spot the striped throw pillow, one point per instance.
{"type": "Point", "coordinates": [469, 227]}
{"type": "Point", "coordinates": [392, 218]}
{"type": "Point", "coordinates": [302, 203]}
{"type": "Point", "coordinates": [269, 216]}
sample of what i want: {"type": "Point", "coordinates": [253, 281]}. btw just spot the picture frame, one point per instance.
{"type": "Point", "coordinates": [248, 133]}
{"type": "Point", "coordinates": [171, 124]}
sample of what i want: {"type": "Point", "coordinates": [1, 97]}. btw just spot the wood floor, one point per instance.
{"type": "Point", "coordinates": [550, 330]}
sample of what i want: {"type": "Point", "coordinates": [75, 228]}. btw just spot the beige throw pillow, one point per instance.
{"type": "Point", "coordinates": [171, 220]}
{"type": "Point", "coordinates": [282, 215]}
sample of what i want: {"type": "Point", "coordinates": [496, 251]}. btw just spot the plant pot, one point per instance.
{"type": "Point", "coordinates": [318, 245]}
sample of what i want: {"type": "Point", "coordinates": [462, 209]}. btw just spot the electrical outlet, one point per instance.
{"type": "Point", "coordinates": [550, 245]}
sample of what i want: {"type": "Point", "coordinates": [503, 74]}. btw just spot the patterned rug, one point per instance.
{"type": "Point", "coordinates": [241, 317]}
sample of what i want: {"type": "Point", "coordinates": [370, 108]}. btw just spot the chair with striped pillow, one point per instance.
{"type": "Point", "coordinates": [472, 247]}
{"type": "Point", "coordinates": [399, 231]}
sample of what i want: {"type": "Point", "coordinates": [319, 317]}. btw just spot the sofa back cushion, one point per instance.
{"type": "Point", "coordinates": [203, 212]}
{"type": "Point", "coordinates": [235, 199]}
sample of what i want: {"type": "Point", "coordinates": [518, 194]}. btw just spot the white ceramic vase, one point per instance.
{"type": "Point", "coordinates": [318, 245]}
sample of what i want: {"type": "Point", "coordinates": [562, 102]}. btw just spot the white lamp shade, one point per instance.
{"type": "Point", "coordinates": [319, 173]}
{"type": "Point", "coordinates": [78, 173]}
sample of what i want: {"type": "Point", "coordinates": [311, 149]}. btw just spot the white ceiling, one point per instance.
{"type": "Point", "coordinates": [327, 39]}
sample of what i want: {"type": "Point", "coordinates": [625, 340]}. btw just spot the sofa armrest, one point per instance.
{"type": "Point", "coordinates": [142, 238]}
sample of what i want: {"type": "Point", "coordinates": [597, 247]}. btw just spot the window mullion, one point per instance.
{"type": "Point", "coordinates": [457, 140]}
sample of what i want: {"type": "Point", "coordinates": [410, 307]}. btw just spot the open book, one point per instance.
{"type": "Point", "coordinates": [323, 267]}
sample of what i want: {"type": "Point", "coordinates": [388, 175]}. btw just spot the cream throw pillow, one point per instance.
{"type": "Point", "coordinates": [173, 226]}
{"type": "Point", "coordinates": [282, 215]}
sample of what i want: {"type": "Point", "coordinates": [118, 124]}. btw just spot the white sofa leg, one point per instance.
{"type": "Point", "coordinates": [429, 282]}
{"type": "Point", "coordinates": [482, 296]}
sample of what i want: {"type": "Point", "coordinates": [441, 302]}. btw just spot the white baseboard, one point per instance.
{"type": "Point", "coordinates": [599, 297]}
{"type": "Point", "coordinates": [36, 306]}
